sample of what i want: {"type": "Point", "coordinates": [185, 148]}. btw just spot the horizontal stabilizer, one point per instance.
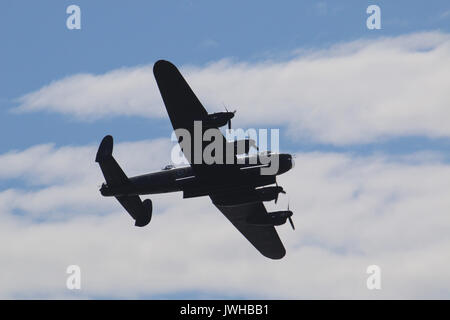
{"type": "Point", "coordinates": [140, 211]}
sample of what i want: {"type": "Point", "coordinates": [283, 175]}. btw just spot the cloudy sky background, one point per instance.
{"type": "Point", "coordinates": [365, 112]}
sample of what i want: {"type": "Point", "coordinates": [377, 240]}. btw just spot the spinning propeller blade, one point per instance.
{"type": "Point", "coordinates": [229, 121]}
{"type": "Point", "coordinates": [290, 219]}
{"type": "Point", "coordinates": [282, 191]}
{"type": "Point", "coordinates": [292, 223]}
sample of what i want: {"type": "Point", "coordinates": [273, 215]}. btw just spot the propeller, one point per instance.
{"type": "Point", "coordinates": [282, 191]}
{"type": "Point", "coordinates": [290, 219]}
{"type": "Point", "coordinates": [229, 121]}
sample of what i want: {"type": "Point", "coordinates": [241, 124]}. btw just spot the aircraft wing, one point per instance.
{"type": "Point", "coordinates": [183, 108]}
{"type": "Point", "coordinates": [263, 238]}
{"type": "Point", "coordinates": [181, 103]}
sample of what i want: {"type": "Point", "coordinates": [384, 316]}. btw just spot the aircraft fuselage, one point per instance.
{"type": "Point", "coordinates": [184, 179]}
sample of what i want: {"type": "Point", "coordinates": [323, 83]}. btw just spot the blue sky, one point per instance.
{"type": "Point", "coordinates": [364, 110]}
{"type": "Point", "coordinates": [38, 49]}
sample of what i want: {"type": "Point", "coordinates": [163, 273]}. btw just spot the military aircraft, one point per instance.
{"type": "Point", "coordinates": [238, 190]}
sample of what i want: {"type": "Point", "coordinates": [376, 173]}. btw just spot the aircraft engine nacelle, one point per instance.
{"type": "Point", "coordinates": [243, 146]}
{"type": "Point", "coordinates": [275, 218]}
{"type": "Point", "coordinates": [269, 193]}
{"type": "Point", "coordinates": [238, 198]}
{"type": "Point", "coordinates": [217, 119]}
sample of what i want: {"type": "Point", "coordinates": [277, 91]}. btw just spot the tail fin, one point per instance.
{"type": "Point", "coordinates": [140, 211]}
{"type": "Point", "coordinates": [113, 173]}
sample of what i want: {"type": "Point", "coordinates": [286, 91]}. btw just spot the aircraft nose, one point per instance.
{"type": "Point", "coordinates": [291, 161]}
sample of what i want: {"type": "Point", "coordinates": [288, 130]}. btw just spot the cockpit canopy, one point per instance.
{"type": "Point", "coordinates": [169, 167]}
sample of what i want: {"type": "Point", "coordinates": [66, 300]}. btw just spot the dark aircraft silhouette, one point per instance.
{"type": "Point", "coordinates": [235, 189]}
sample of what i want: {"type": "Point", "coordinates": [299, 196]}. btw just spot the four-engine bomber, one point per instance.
{"type": "Point", "coordinates": [237, 189]}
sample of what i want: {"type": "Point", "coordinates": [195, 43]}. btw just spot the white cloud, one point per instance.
{"type": "Point", "coordinates": [350, 212]}
{"type": "Point", "coordinates": [68, 177]}
{"type": "Point", "coordinates": [356, 92]}
{"type": "Point", "coordinates": [127, 91]}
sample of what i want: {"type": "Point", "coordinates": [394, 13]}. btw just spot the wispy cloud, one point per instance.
{"type": "Point", "coordinates": [445, 14]}
{"type": "Point", "coordinates": [209, 43]}
{"type": "Point", "coordinates": [321, 8]}
{"type": "Point", "coordinates": [350, 212]}
{"type": "Point", "coordinates": [351, 93]}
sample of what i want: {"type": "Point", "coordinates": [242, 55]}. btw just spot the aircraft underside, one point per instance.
{"type": "Point", "coordinates": [238, 189]}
